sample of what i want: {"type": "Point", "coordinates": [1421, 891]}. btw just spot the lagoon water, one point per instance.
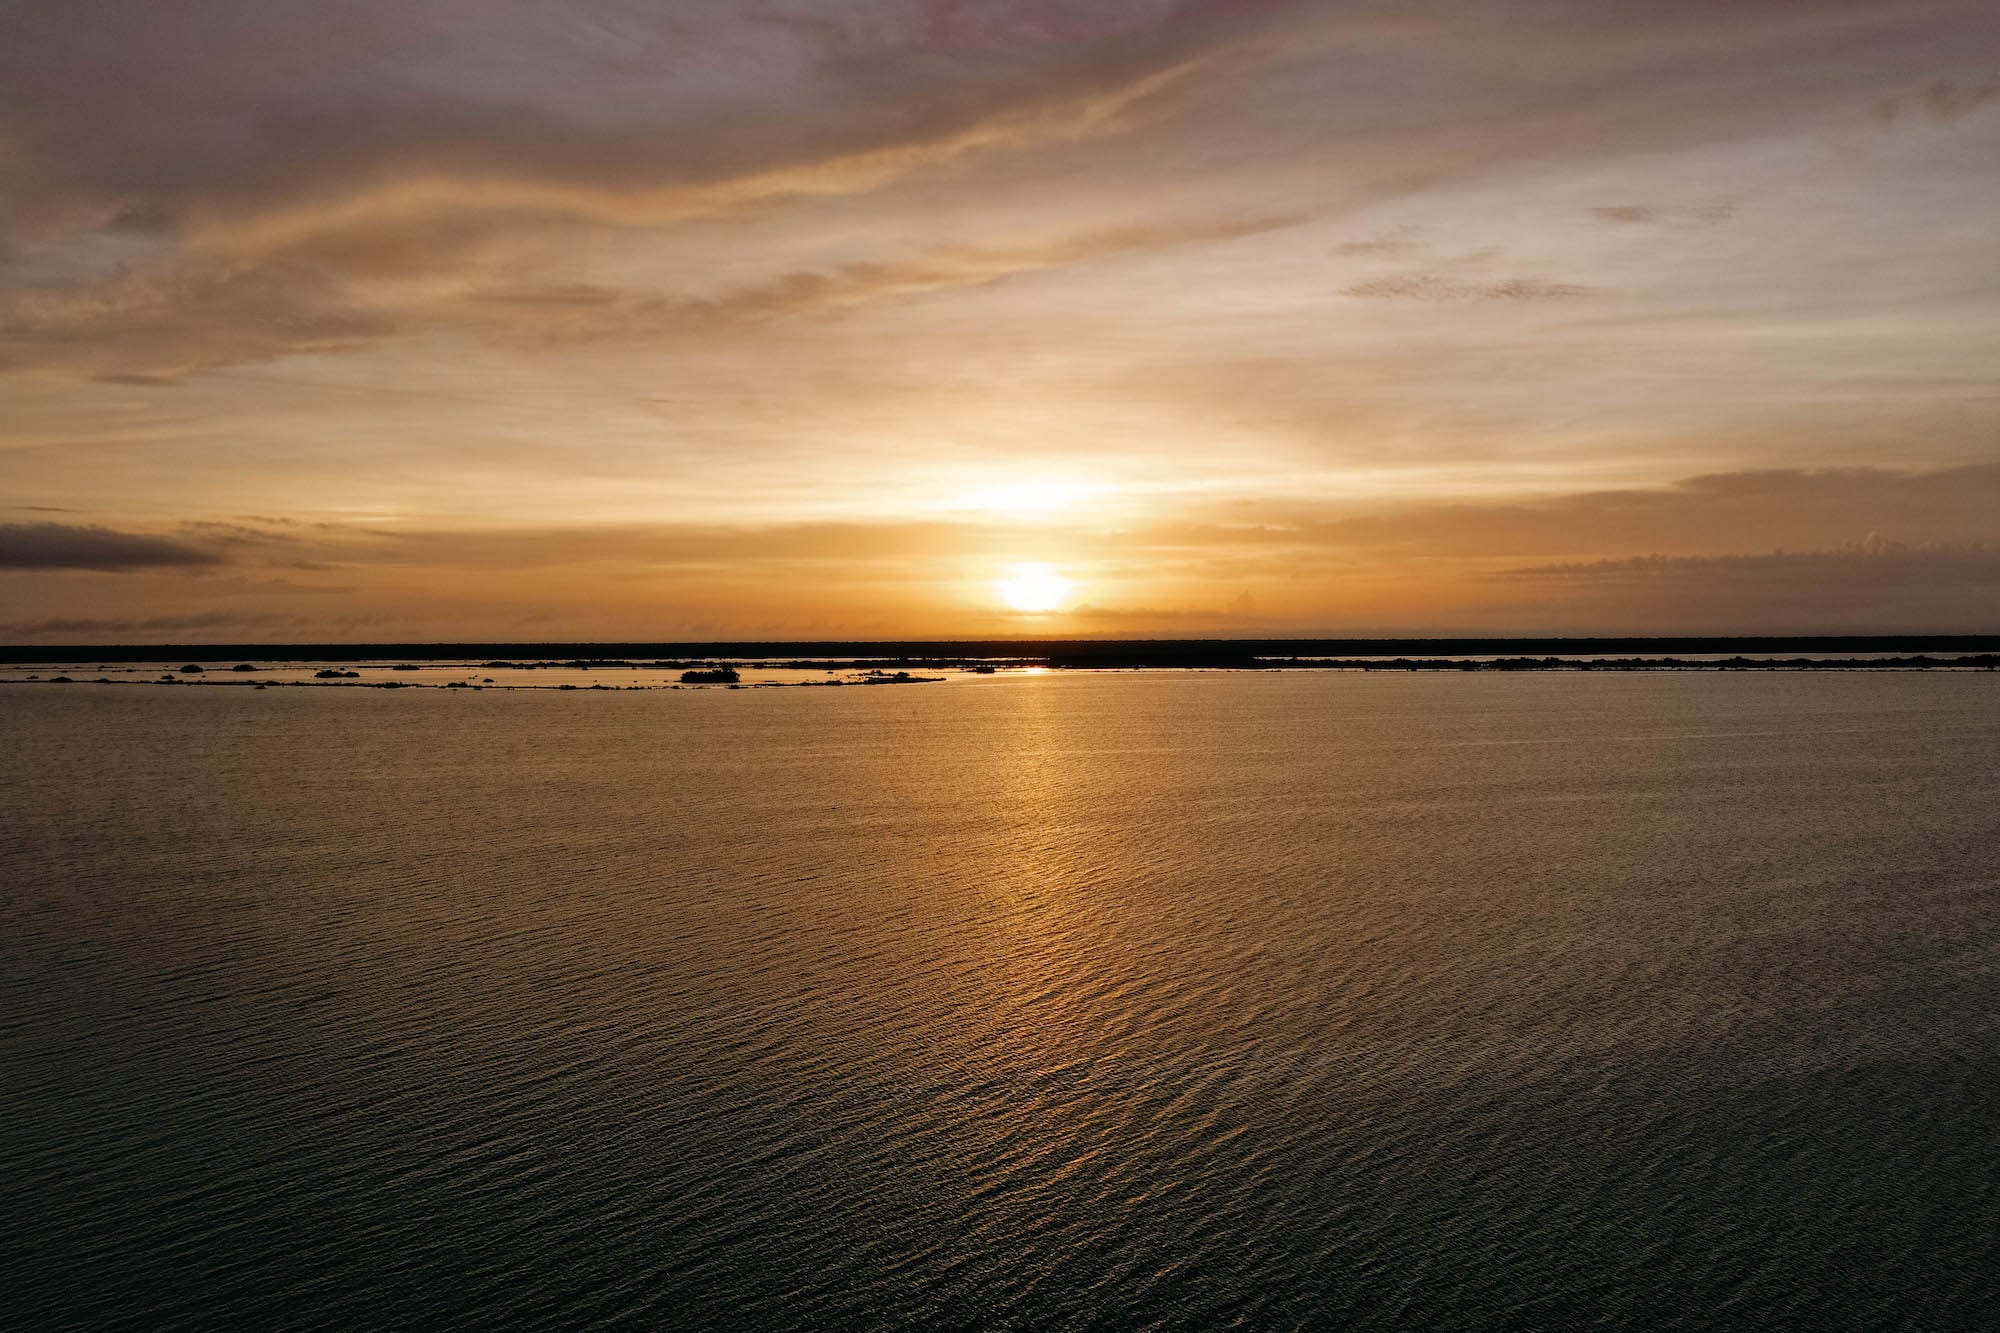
{"type": "Point", "coordinates": [1155, 1000]}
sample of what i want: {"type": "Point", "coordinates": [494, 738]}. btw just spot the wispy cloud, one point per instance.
{"type": "Point", "coordinates": [1664, 215]}
{"type": "Point", "coordinates": [1942, 101]}
{"type": "Point", "coordinates": [1797, 509]}
{"type": "Point", "coordinates": [310, 121]}
{"type": "Point", "coordinates": [1871, 560]}
{"type": "Point", "coordinates": [1442, 287]}
{"type": "Point", "coordinates": [1859, 587]}
{"type": "Point", "coordinates": [67, 546]}
{"type": "Point", "coordinates": [198, 620]}
{"type": "Point", "coordinates": [149, 328]}
{"type": "Point", "coordinates": [597, 313]}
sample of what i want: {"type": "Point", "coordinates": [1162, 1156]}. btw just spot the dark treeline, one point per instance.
{"type": "Point", "coordinates": [1098, 653]}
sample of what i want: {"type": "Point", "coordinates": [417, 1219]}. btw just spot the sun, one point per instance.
{"type": "Point", "coordinates": [1033, 588]}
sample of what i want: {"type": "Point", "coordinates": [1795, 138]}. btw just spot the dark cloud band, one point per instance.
{"type": "Point", "coordinates": [64, 546]}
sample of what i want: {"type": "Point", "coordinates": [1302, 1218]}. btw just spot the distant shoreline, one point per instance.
{"type": "Point", "coordinates": [1824, 650]}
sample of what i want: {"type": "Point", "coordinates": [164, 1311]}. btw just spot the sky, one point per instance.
{"type": "Point", "coordinates": [790, 319]}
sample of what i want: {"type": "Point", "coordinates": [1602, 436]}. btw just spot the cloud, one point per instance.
{"type": "Point", "coordinates": [1800, 509]}
{"type": "Point", "coordinates": [655, 545]}
{"type": "Point", "coordinates": [1862, 586]}
{"type": "Point", "coordinates": [146, 328]}
{"type": "Point", "coordinates": [1871, 561]}
{"type": "Point", "coordinates": [256, 181]}
{"type": "Point", "coordinates": [275, 123]}
{"type": "Point", "coordinates": [66, 546]}
{"type": "Point", "coordinates": [1943, 101]}
{"type": "Point", "coordinates": [1628, 213]}
{"type": "Point", "coordinates": [146, 624]}
{"type": "Point", "coordinates": [589, 312]}
{"type": "Point", "coordinates": [1438, 287]}
{"type": "Point", "coordinates": [1402, 241]}
{"type": "Point", "coordinates": [256, 533]}
{"type": "Point", "coordinates": [1643, 215]}
{"type": "Point", "coordinates": [398, 224]}
{"type": "Point", "coordinates": [139, 380]}
{"type": "Point", "coordinates": [278, 145]}
{"type": "Point", "coordinates": [1112, 619]}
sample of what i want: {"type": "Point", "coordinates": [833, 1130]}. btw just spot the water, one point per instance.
{"type": "Point", "coordinates": [1159, 999]}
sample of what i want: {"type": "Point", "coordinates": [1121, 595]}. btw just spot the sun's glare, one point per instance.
{"type": "Point", "coordinates": [1034, 588]}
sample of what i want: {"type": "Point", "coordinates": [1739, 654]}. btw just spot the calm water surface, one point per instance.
{"type": "Point", "coordinates": [1173, 1000]}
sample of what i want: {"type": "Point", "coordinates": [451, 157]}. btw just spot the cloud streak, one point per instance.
{"type": "Point", "coordinates": [1440, 287]}
{"type": "Point", "coordinates": [147, 329]}
{"type": "Point", "coordinates": [101, 625]}
{"type": "Point", "coordinates": [45, 546]}
{"type": "Point", "coordinates": [1861, 587]}
{"type": "Point", "coordinates": [313, 119]}
{"type": "Point", "coordinates": [1794, 508]}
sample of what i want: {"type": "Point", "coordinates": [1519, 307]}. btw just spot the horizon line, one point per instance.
{"type": "Point", "coordinates": [1324, 646]}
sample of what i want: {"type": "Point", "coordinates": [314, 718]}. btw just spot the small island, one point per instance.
{"type": "Point", "coordinates": [722, 675]}
{"type": "Point", "coordinates": [879, 677]}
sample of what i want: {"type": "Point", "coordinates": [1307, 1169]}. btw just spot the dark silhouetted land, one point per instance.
{"type": "Point", "coordinates": [1521, 653]}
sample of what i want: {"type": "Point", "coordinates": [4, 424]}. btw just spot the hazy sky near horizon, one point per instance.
{"type": "Point", "coordinates": [409, 319]}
